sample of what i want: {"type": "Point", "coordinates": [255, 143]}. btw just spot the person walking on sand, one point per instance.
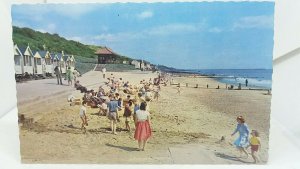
{"type": "Point", "coordinates": [142, 126]}
{"type": "Point", "coordinates": [58, 75]}
{"type": "Point", "coordinates": [69, 75]}
{"type": "Point", "coordinates": [246, 82]}
{"type": "Point", "coordinates": [82, 114]}
{"type": "Point", "coordinates": [103, 72]}
{"type": "Point", "coordinates": [156, 93]}
{"type": "Point", "coordinates": [112, 113]}
{"type": "Point", "coordinates": [255, 145]}
{"type": "Point", "coordinates": [178, 90]}
{"type": "Point", "coordinates": [242, 141]}
{"type": "Point", "coordinates": [128, 111]}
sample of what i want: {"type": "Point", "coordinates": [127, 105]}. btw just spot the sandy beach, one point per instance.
{"type": "Point", "coordinates": [187, 127]}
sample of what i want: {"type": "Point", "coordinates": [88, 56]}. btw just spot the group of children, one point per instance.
{"type": "Point", "coordinates": [118, 98]}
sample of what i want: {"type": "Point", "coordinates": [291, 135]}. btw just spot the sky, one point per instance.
{"type": "Point", "coordinates": [186, 35]}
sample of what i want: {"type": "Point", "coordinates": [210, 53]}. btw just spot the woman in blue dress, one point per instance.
{"type": "Point", "coordinates": [242, 142]}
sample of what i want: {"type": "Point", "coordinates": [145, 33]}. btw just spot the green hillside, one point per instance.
{"type": "Point", "coordinates": [84, 54]}
{"type": "Point", "coordinates": [53, 42]}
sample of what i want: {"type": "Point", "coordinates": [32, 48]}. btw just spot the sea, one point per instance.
{"type": "Point", "coordinates": [257, 78]}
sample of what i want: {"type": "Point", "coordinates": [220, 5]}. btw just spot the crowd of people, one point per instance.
{"type": "Point", "coordinates": [117, 98]}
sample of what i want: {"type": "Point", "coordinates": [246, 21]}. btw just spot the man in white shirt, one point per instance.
{"type": "Point", "coordinates": [103, 72]}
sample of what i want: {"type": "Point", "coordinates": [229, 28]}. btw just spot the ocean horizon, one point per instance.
{"type": "Point", "coordinates": [257, 78]}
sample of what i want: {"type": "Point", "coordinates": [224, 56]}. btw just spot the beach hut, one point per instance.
{"type": "Point", "coordinates": [54, 60]}
{"type": "Point", "coordinates": [70, 61]}
{"type": "Point", "coordinates": [73, 62]}
{"type": "Point", "coordinates": [18, 58]}
{"type": "Point", "coordinates": [27, 59]}
{"type": "Point", "coordinates": [62, 61]}
{"type": "Point", "coordinates": [106, 55]}
{"type": "Point", "coordinates": [58, 60]}
{"type": "Point", "coordinates": [47, 62]}
{"type": "Point", "coordinates": [37, 62]}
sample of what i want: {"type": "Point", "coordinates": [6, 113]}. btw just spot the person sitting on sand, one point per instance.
{"type": "Point", "coordinates": [103, 108]}
{"type": "Point", "coordinates": [242, 141]}
{"type": "Point", "coordinates": [112, 113]}
{"type": "Point", "coordinates": [83, 117]}
{"type": "Point", "coordinates": [77, 84]}
{"type": "Point", "coordinates": [255, 145]}
{"type": "Point", "coordinates": [142, 130]}
{"type": "Point", "coordinates": [148, 96]}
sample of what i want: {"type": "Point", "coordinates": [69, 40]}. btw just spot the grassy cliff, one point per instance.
{"type": "Point", "coordinates": [84, 54]}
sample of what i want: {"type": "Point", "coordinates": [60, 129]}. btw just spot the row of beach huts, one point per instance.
{"type": "Point", "coordinates": [40, 62]}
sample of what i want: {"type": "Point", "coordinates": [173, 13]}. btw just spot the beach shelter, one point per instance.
{"type": "Point", "coordinates": [70, 61]}
{"type": "Point", "coordinates": [61, 62]}
{"type": "Point", "coordinates": [106, 55]}
{"type": "Point", "coordinates": [73, 62]}
{"type": "Point", "coordinates": [37, 62]}
{"type": "Point", "coordinates": [47, 62]}
{"type": "Point", "coordinates": [18, 58]}
{"type": "Point", "coordinates": [55, 61]}
{"type": "Point", "coordinates": [27, 59]}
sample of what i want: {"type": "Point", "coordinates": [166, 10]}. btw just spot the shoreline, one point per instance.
{"type": "Point", "coordinates": [192, 75]}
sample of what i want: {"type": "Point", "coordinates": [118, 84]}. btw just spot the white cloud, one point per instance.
{"type": "Point", "coordinates": [145, 15]}
{"type": "Point", "coordinates": [107, 37]}
{"type": "Point", "coordinates": [215, 30]}
{"type": "Point", "coordinates": [262, 21]}
{"type": "Point", "coordinates": [163, 30]}
{"type": "Point", "coordinates": [37, 12]}
{"type": "Point", "coordinates": [75, 38]}
{"type": "Point", "coordinates": [174, 29]}
{"type": "Point", "coordinates": [51, 28]}
{"type": "Point", "coordinates": [74, 11]}
{"type": "Point", "coordinates": [19, 23]}
{"type": "Point", "coordinates": [41, 30]}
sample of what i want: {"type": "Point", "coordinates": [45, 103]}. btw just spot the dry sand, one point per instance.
{"type": "Point", "coordinates": [204, 116]}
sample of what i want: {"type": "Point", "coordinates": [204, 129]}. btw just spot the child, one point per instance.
{"type": "Point", "coordinates": [127, 114]}
{"type": "Point", "coordinates": [255, 145]}
{"type": "Point", "coordinates": [83, 117]}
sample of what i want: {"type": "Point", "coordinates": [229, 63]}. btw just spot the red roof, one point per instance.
{"type": "Point", "coordinates": [105, 51]}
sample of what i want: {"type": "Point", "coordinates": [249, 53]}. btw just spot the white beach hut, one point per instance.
{"type": "Point", "coordinates": [47, 62]}
{"type": "Point", "coordinates": [18, 58]}
{"type": "Point", "coordinates": [37, 62]}
{"type": "Point", "coordinates": [27, 59]}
